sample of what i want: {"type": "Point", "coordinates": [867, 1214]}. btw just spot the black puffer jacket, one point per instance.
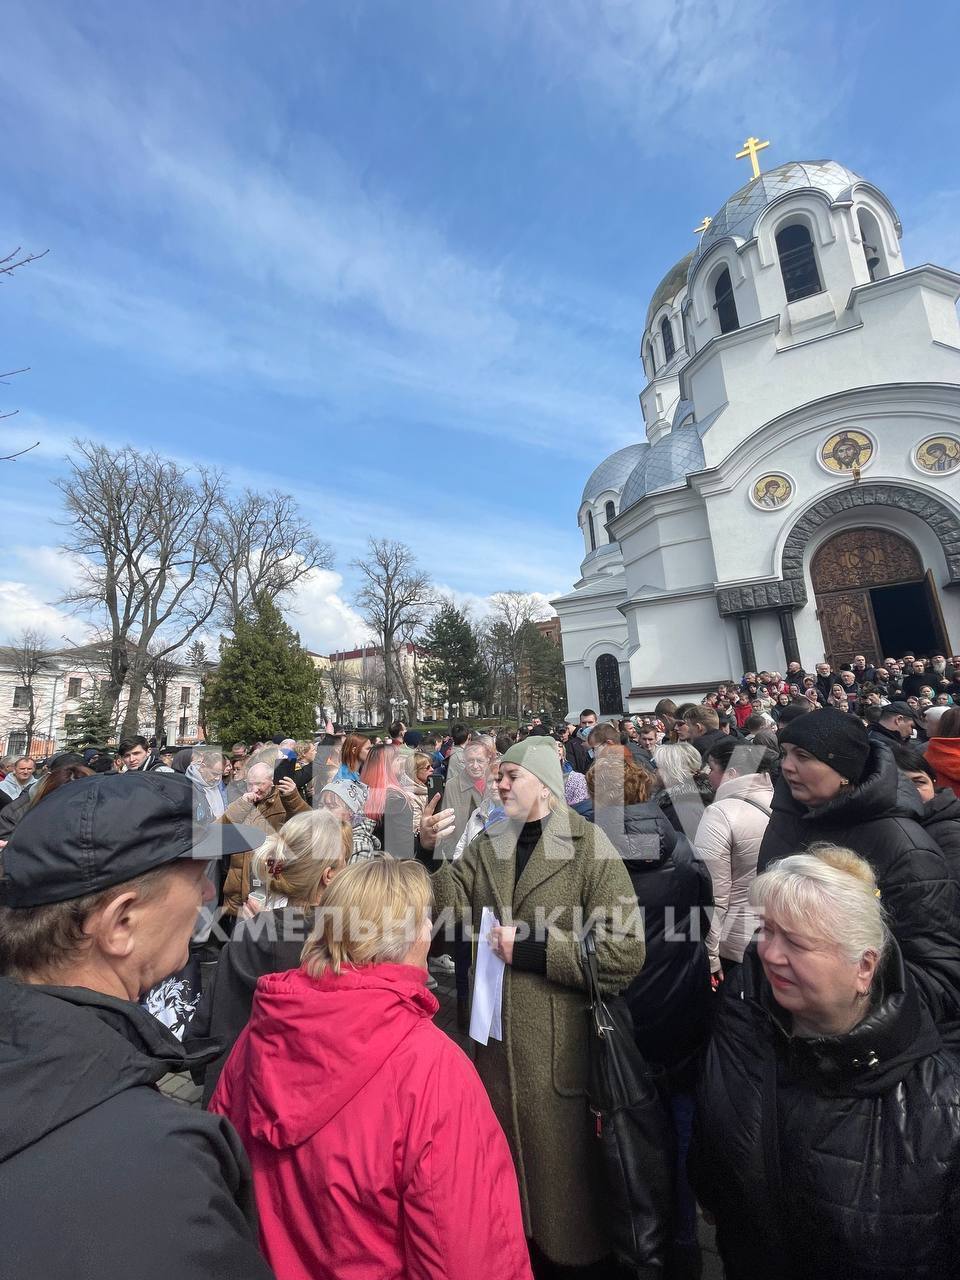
{"type": "Point", "coordinates": [858, 1177]}
{"type": "Point", "coordinates": [941, 820]}
{"type": "Point", "coordinates": [100, 1174]}
{"type": "Point", "coordinates": [880, 819]}
{"type": "Point", "coordinates": [670, 999]}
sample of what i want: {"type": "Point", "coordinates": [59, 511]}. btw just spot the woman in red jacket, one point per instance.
{"type": "Point", "coordinates": [375, 1152]}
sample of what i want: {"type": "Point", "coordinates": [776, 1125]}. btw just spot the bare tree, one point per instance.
{"type": "Point", "coordinates": [513, 611]}
{"type": "Point", "coordinates": [156, 680]}
{"type": "Point", "coordinates": [337, 680]}
{"type": "Point", "coordinates": [31, 658]}
{"type": "Point", "coordinates": [141, 527]}
{"type": "Point", "coordinates": [370, 686]}
{"type": "Point", "coordinates": [8, 265]}
{"type": "Point", "coordinates": [263, 543]}
{"type": "Point", "coordinates": [394, 595]}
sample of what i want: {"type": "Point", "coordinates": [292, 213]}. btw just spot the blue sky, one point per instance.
{"type": "Point", "coordinates": [395, 257]}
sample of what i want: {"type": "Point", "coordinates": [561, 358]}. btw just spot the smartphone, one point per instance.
{"type": "Point", "coordinates": [283, 769]}
{"type": "Point", "coordinates": [435, 784]}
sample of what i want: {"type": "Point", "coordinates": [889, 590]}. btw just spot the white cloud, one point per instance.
{"type": "Point", "coordinates": [21, 606]}
{"type": "Point", "coordinates": [670, 67]}
{"type": "Point", "coordinates": [326, 622]}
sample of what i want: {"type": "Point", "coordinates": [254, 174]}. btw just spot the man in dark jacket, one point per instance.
{"type": "Point", "coordinates": [896, 723]}
{"type": "Point", "coordinates": [578, 753]}
{"type": "Point", "coordinates": [703, 725]}
{"type": "Point", "coordinates": [138, 757]}
{"type": "Point", "coordinates": [877, 814]}
{"type": "Point", "coordinates": [134, 1184]}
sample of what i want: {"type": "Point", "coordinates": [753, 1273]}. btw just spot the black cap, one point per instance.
{"type": "Point", "coordinates": [901, 709]}
{"type": "Point", "coordinates": [105, 830]}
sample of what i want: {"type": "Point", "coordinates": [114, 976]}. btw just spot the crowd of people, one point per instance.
{"type": "Point", "coordinates": [768, 878]}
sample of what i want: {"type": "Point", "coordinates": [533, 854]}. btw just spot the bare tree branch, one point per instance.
{"type": "Point", "coordinates": [394, 597]}
{"type": "Point", "coordinates": [262, 543]}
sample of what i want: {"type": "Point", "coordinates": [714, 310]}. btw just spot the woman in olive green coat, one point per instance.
{"type": "Point", "coordinates": [547, 871]}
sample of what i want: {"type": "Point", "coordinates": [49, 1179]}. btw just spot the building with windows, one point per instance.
{"type": "Point", "coordinates": [798, 491]}
{"type": "Point", "coordinates": [68, 677]}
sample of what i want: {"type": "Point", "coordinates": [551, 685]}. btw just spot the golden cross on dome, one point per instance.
{"type": "Point", "coordinates": [750, 148]}
{"type": "Point", "coordinates": [702, 227]}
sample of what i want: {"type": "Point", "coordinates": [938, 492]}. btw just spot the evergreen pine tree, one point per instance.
{"type": "Point", "coordinates": [91, 725]}
{"type": "Point", "coordinates": [453, 664]}
{"type": "Point", "coordinates": [266, 682]}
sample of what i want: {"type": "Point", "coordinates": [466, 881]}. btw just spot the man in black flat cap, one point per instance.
{"type": "Point", "coordinates": [100, 1174]}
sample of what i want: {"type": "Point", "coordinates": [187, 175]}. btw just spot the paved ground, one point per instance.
{"type": "Point", "coordinates": [182, 1089]}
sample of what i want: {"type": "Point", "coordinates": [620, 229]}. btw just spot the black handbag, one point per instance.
{"type": "Point", "coordinates": [633, 1129]}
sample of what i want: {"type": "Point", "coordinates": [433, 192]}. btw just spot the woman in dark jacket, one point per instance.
{"type": "Point", "coordinates": [670, 999]}
{"type": "Point", "coordinates": [295, 865]}
{"type": "Point", "coordinates": [840, 785]}
{"type": "Point", "coordinates": [63, 768]}
{"type": "Point", "coordinates": [941, 808]}
{"type": "Point", "coordinates": [828, 1120]}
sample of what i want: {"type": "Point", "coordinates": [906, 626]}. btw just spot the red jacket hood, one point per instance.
{"type": "Point", "coordinates": [313, 1043]}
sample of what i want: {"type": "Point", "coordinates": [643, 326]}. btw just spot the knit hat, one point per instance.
{"type": "Point", "coordinates": [352, 793]}
{"type": "Point", "coordinates": [539, 757]}
{"type": "Point", "coordinates": [834, 737]}
{"type": "Point", "coordinates": [412, 738]}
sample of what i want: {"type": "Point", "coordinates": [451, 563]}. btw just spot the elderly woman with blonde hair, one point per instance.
{"type": "Point", "coordinates": [373, 1147]}
{"type": "Point", "coordinates": [828, 1137]}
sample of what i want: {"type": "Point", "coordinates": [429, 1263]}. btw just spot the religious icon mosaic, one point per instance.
{"type": "Point", "coordinates": [846, 450]}
{"type": "Point", "coordinates": [772, 491]}
{"type": "Point", "coordinates": [937, 455]}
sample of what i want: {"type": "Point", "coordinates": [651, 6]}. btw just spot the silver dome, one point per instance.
{"type": "Point", "coordinates": [612, 473]}
{"type": "Point", "coordinates": [739, 216]}
{"type": "Point", "coordinates": [674, 457]}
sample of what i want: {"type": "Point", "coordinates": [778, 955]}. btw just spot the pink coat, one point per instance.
{"type": "Point", "coordinates": [375, 1152]}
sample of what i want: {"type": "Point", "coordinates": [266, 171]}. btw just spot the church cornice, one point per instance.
{"type": "Point", "coordinates": [941, 279]}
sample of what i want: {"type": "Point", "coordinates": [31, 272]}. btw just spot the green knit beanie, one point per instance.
{"type": "Point", "coordinates": [539, 756]}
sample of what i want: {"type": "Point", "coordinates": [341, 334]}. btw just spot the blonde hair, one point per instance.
{"type": "Point", "coordinates": [412, 763]}
{"type": "Point", "coordinates": [294, 859]}
{"type": "Point", "coordinates": [831, 891]}
{"type": "Point", "coordinates": [372, 913]}
{"type": "Point", "coordinates": [677, 762]}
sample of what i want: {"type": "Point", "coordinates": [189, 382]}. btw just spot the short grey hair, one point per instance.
{"type": "Point", "coordinates": [828, 891]}
{"type": "Point", "coordinates": [677, 762]}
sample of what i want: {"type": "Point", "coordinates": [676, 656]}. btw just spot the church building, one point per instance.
{"type": "Point", "coordinates": [797, 495]}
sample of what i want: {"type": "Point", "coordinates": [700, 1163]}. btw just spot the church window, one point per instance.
{"type": "Point", "coordinates": [725, 304]}
{"type": "Point", "coordinates": [666, 332]}
{"type": "Point", "coordinates": [650, 360]}
{"type": "Point", "coordinates": [798, 263]}
{"type": "Point", "coordinates": [609, 693]}
{"type": "Point", "coordinates": [591, 531]}
{"type": "Point", "coordinates": [609, 512]}
{"type": "Point", "coordinates": [872, 241]}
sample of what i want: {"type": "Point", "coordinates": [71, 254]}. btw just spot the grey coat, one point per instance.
{"type": "Point", "coordinates": [537, 1076]}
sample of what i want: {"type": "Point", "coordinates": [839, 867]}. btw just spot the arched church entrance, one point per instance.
{"type": "Point", "coordinates": [874, 597]}
{"type": "Point", "coordinates": [609, 693]}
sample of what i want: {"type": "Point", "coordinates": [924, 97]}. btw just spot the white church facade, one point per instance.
{"type": "Point", "coordinates": [798, 492]}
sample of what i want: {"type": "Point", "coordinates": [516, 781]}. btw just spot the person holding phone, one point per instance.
{"type": "Point", "coordinates": [266, 805]}
{"type": "Point", "coordinates": [419, 770]}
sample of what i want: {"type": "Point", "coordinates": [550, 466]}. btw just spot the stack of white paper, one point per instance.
{"type": "Point", "coordinates": [487, 985]}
